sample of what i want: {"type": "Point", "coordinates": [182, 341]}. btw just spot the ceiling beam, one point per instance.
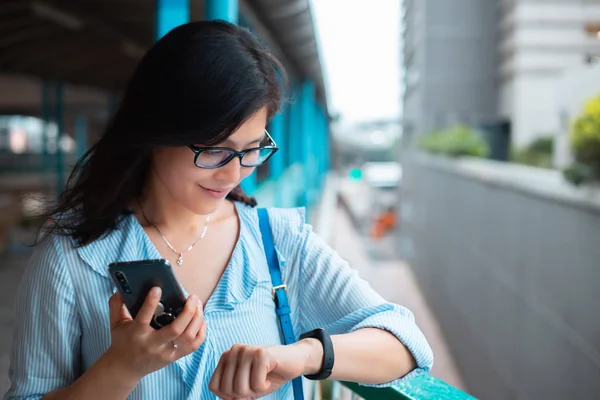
{"type": "Point", "coordinates": [15, 23]}
{"type": "Point", "coordinates": [56, 15]}
{"type": "Point", "coordinates": [47, 49]}
{"type": "Point", "coordinates": [13, 7]}
{"type": "Point", "coordinates": [25, 35]}
{"type": "Point", "coordinates": [287, 10]}
{"type": "Point", "coordinates": [76, 18]}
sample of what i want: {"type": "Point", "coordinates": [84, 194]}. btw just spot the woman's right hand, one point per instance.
{"type": "Point", "coordinates": [141, 349]}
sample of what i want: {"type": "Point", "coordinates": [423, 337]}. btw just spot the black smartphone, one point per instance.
{"type": "Point", "coordinates": [134, 279]}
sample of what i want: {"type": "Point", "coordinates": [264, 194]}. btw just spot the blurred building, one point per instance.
{"type": "Point", "coordinates": [539, 41]}
{"type": "Point", "coordinates": [450, 62]}
{"type": "Point", "coordinates": [373, 141]}
{"type": "Point", "coordinates": [472, 61]}
{"type": "Point", "coordinates": [504, 252]}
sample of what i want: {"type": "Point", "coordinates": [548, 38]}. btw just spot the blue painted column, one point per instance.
{"type": "Point", "coordinates": [278, 134]}
{"type": "Point", "coordinates": [81, 138]}
{"type": "Point", "coordinates": [317, 148]}
{"type": "Point", "coordinates": [295, 131]}
{"type": "Point", "coordinates": [320, 139]}
{"type": "Point", "coordinates": [327, 147]}
{"type": "Point", "coordinates": [324, 134]}
{"type": "Point", "coordinates": [307, 123]}
{"type": "Point", "coordinates": [287, 114]}
{"type": "Point", "coordinates": [277, 166]}
{"type": "Point", "coordinates": [170, 14]}
{"type": "Point", "coordinates": [227, 10]}
{"type": "Point", "coordinates": [46, 105]}
{"type": "Point", "coordinates": [58, 119]}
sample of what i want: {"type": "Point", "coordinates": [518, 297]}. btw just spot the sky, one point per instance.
{"type": "Point", "coordinates": [359, 44]}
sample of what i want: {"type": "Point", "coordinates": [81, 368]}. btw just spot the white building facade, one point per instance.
{"type": "Point", "coordinates": [539, 41]}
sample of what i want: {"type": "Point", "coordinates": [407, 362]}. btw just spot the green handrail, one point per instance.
{"type": "Point", "coordinates": [421, 387]}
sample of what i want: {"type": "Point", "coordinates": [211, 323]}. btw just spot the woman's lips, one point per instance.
{"type": "Point", "coordinates": [216, 193]}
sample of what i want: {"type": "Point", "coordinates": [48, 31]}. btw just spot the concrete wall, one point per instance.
{"type": "Point", "coordinates": [509, 259]}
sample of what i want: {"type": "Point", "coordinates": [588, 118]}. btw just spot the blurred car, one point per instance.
{"type": "Point", "coordinates": [382, 175]}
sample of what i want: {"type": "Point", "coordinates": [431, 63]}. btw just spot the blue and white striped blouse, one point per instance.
{"type": "Point", "coordinates": [62, 324]}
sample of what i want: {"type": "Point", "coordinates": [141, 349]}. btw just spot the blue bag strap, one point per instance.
{"type": "Point", "coordinates": [282, 307]}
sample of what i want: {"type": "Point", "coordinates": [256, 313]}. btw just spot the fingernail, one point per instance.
{"type": "Point", "coordinates": [193, 299]}
{"type": "Point", "coordinates": [155, 292]}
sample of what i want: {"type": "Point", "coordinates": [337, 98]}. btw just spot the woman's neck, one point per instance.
{"type": "Point", "coordinates": [158, 207]}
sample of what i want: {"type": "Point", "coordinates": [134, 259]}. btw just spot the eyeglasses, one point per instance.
{"type": "Point", "coordinates": [216, 157]}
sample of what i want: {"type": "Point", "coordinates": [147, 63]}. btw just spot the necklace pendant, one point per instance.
{"type": "Point", "coordinates": [180, 259]}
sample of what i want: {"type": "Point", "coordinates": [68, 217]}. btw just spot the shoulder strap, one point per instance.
{"type": "Point", "coordinates": [282, 306]}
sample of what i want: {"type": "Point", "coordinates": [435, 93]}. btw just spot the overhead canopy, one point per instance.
{"type": "Point", "coordinates": [291, 28]}
{"type": "Point", "coordinates": [98, 43]}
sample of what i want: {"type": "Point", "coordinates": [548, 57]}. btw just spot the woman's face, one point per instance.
{"type": "Point", "coordinates": [203, 190]}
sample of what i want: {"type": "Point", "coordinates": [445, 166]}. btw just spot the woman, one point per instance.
{"type": "Point", "coordinates": [157, 186]}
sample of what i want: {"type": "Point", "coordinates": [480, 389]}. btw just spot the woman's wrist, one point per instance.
{"type": "Point", "coordinates": [123, 375]}
{"type": "Point", "coordinates": [108, 378]}
{"type": "Point", "coordinates": [314, 359]}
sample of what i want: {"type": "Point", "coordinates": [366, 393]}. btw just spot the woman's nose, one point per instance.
{"type": "Point", "coordinates": [230, 172]}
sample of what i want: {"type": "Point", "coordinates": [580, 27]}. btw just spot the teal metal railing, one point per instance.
{"type": "Point", "coordinates": [421, 387]}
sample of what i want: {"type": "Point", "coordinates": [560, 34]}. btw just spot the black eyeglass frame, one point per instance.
{"type": "Point", "coordinates": [240, 154]}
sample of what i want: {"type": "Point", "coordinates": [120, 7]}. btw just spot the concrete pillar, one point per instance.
{"type": "Point", "coordinates": [112, 105]}
{"type": "Point", "coordinates": [81, 135]}
{"type": "Point", "coordinates": [46, 111]}
{"type": "Point", "coordinates": [59, 120]}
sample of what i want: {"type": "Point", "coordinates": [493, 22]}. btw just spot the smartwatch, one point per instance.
{"type": "Point", "coordinates": [328, 358]}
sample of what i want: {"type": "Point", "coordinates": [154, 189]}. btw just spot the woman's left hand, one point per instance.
{"type": "Point", "coordinates": [249, 372]}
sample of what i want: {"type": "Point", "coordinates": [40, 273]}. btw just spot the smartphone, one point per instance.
{"type": "Point", "coordinates": [134, 279]}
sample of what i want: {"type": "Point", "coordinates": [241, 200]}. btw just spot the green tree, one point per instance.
{"type": "Point", "coordinates": [585, 143]}
{"type": "Point", "coordinates": [455, 142]}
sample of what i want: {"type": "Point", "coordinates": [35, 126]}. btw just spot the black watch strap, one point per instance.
{"type": "Point", "coordinates": [328, 357]}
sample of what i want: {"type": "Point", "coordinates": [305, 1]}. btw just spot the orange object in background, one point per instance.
{"type": "Point", "coordinates": [385, 222]}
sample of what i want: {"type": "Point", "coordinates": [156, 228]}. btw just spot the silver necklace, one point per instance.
{"type": "Point", "coordinates": [180, 259]}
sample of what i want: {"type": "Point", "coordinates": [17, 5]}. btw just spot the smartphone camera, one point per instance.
{"type": "Point", "coordinates": [123, 281]}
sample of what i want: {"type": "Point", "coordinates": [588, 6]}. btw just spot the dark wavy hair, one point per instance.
{"type": "Point", "coordinates": [197, 84]}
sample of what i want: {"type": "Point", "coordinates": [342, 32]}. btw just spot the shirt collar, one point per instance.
{"type": "Point", "coordinates": [129, 242]}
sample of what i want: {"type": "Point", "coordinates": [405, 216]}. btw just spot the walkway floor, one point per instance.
{"type": "Point", "coordinates": [393, 279]}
